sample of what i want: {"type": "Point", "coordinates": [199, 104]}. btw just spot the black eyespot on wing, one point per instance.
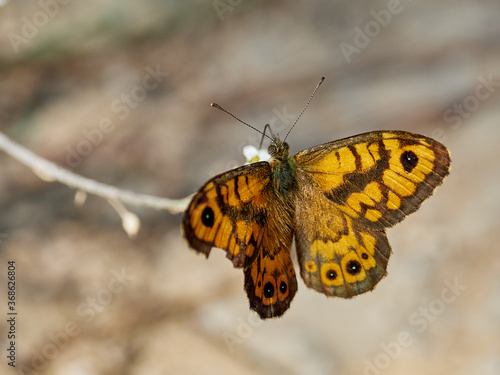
{"type": "Point", "coordinates": [268, 290]}
{"type": "Point", "coordinates": [207, 217]}
{"type": "Point", "coordinates": [409, 160]}
{"type": "Point", "coordinates": [283, 287]}
{"type": "Point", "coordinates": [353, 267]}
{"type": "Point", "coordinates": [331, 274]}
{"type": "Point", "coordinates": [364, 256]}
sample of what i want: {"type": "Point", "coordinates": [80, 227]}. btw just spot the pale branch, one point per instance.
{"type": "Point", "coordinates": [52, 172]}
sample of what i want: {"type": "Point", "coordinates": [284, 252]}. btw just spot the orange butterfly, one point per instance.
{"type": "Point", "coordinates": [336, 199]}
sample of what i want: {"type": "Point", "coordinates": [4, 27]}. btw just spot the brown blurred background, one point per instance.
{"type": "Point", "coordinates": [137, 78]}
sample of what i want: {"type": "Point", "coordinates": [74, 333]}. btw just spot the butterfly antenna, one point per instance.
{"type": "Point", "coordinates": [266, 127]}
{"type": "Point", "coordinates": [240, 120]}
{"type": "Point", "coordinates": [307, 105]}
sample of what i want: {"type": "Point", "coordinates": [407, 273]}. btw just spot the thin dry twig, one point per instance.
{"type": "Point", "coordinates": [52, 172]}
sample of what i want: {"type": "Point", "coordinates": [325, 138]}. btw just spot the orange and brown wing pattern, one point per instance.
{"type": "Point", "coordinates": [230, 212]}
{"type": "Point", "coordinates": [238, 211]}
{"type": "Point", "coordinates": [270, 282]}
{"type": "Point", "coordinates": [366, 183]}
{"type": "Point", "coordinates": [377, 178]}
{"type": "Point", "coordinates": [337, 256]}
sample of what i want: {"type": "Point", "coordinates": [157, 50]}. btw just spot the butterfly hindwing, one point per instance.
{"type": "Point", "coordinates": [351, 190]}
{"type": "Point", "coordinates": [337, 256]}
{"type": "Point", "coordinates": [270, 282]}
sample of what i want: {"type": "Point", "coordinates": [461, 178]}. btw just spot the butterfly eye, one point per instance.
{"type": "Point", "coordinates": [285, 146]}
{"type": "Point", "coordinates": [272, 150]}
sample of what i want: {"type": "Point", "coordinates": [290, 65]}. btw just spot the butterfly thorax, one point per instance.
{"type": "Point", "coordinates": [283, 165]}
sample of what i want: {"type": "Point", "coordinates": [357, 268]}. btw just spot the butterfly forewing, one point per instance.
{"type": "Point", "coordinates": [229, 212]}
{"type": "Point", "coordinates": [376, 178]}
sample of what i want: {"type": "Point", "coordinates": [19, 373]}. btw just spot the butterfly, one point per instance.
{"type": "Point", "coordinates": [336, 199]}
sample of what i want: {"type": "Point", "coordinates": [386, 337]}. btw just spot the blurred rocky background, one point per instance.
{"type": "Point", "coordinates": [119, 91]}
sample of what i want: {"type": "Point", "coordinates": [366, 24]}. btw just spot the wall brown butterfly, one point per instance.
{"type": "Point", "coordinates": [336, 199]}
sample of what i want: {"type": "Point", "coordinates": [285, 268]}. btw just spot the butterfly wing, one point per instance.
{"type": "Point", "coordinates": [350, 191]}
{"type": "Point", "coordinates": [337, 256]}
{"type": "Point", "coordinates": [270, 282]}
{"type": "Point", "coordinates": [230, 212]}
{"type": "Point", "coordinates": [239, 212]}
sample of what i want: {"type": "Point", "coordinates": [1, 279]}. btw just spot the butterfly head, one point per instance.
{"type": "Point", "coordinates": [278, 149]}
